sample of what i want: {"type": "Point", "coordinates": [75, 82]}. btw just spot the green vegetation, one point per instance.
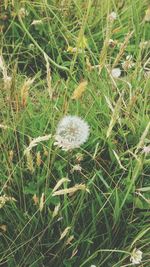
{"type": "Point", "coordinates": [56, 59]}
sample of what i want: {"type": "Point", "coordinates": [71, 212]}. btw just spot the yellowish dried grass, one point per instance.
{"type": "Point", "coordinates": [71, 190]}
{"type": "Point", "coordinates": [79, 90]}
{"type": "Point", "coordinates": [25, 91]}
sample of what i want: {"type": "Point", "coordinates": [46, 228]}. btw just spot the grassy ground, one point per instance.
{"type": "Point", "coordinates": [49, 49]}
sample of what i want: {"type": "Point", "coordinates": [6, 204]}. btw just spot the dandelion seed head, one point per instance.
{"type": "Point", "coordinates": [136, 256]}
{"type": "Point", "coordinates": [71, 132]}
{"type": "Point", "coordinates": [116, 72]}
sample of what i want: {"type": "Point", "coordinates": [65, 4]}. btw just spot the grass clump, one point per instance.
{"type": "Point", "coordinates": [88, 205]}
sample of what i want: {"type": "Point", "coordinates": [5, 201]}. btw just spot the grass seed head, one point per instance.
{"type": "Point", "coordinates": [4, 199]}
{"type": "Point", "coordinates": [29, 160]}
{"type": "Point", "coordinates": [25, 91]}
{"type": "Point", "coordinates": [38, 159]}
{"type": "Point", "coordinates": [79, 90]}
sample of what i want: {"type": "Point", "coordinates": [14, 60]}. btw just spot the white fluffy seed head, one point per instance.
{"type": "Point", "coordinates": [71, 132]}
{"type": "Point", "coordinates": [116, 73]}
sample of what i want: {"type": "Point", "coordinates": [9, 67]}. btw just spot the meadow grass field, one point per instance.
{"type": "Point", "coordinates": [80, 198]}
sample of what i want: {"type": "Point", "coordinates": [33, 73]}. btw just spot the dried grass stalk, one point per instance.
{"type": "Point", "coordinates": [59, 183]}
{"type": "Point", "coordinates": [69, 240]}
{"type": "Point", "coordinates": [36, 141]}
{"type": "Point", "coordinates": [29, 161]}
{"type": "Point", "coordinates": [122, 48]}
{"type": "Point", "coordinates": [7, 80]}
{"type": "Point", "coordinates": [42, 201]}
{"type": "Point", "coordinates": [5, 4]}
{"type": "Point", "coordinates": [25, 91]}
{"type": "Point", "coordinates": [35, 199]}
{"type": "Point", "coordinates": [48, 77]}
{"type": "Point", "coordinates": [79, 90]}
{"type": "Point", "coordinates": [71, 190]}
{"type": "Point", "coordinates": [56, 210]}
{"type": "Point", "coordinates": [65, 232]}
{"type": "Point", "coordinates": [3, 126]}
{"type": "Point", "coordinates": [38, 159]}
{"type": "Point", "coordinates": [4, 199]}
{"type": "Point", "coordinates": [3, 227]}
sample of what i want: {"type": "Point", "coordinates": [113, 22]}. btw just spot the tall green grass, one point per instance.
{"type": "Point", "coordinates": [108, 220]}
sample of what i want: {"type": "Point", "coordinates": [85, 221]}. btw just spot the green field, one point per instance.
{"type": "Point", "coordinates": [87, 205]}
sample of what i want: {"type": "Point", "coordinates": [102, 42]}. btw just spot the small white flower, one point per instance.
{"type": "Point", "coordinates": [146, 149]}
{"type": "Point", "coordinates": [128, 63]}
{"type": "Point", "coordinates": [136, 256]}
{"type": "Point", "coordinates": [76, 167]}
{"type": "Point", "coordinates": [112, 16]}
{"type": "Point", "coordinates": [116, 72]}
{"type": "Point", "coordinates": [71, 132]}
{"type": "Point", "coordinates": [112, 43]}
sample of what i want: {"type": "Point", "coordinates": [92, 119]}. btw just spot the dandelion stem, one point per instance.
{"type": "Point", "coordinates": [68, 162]}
